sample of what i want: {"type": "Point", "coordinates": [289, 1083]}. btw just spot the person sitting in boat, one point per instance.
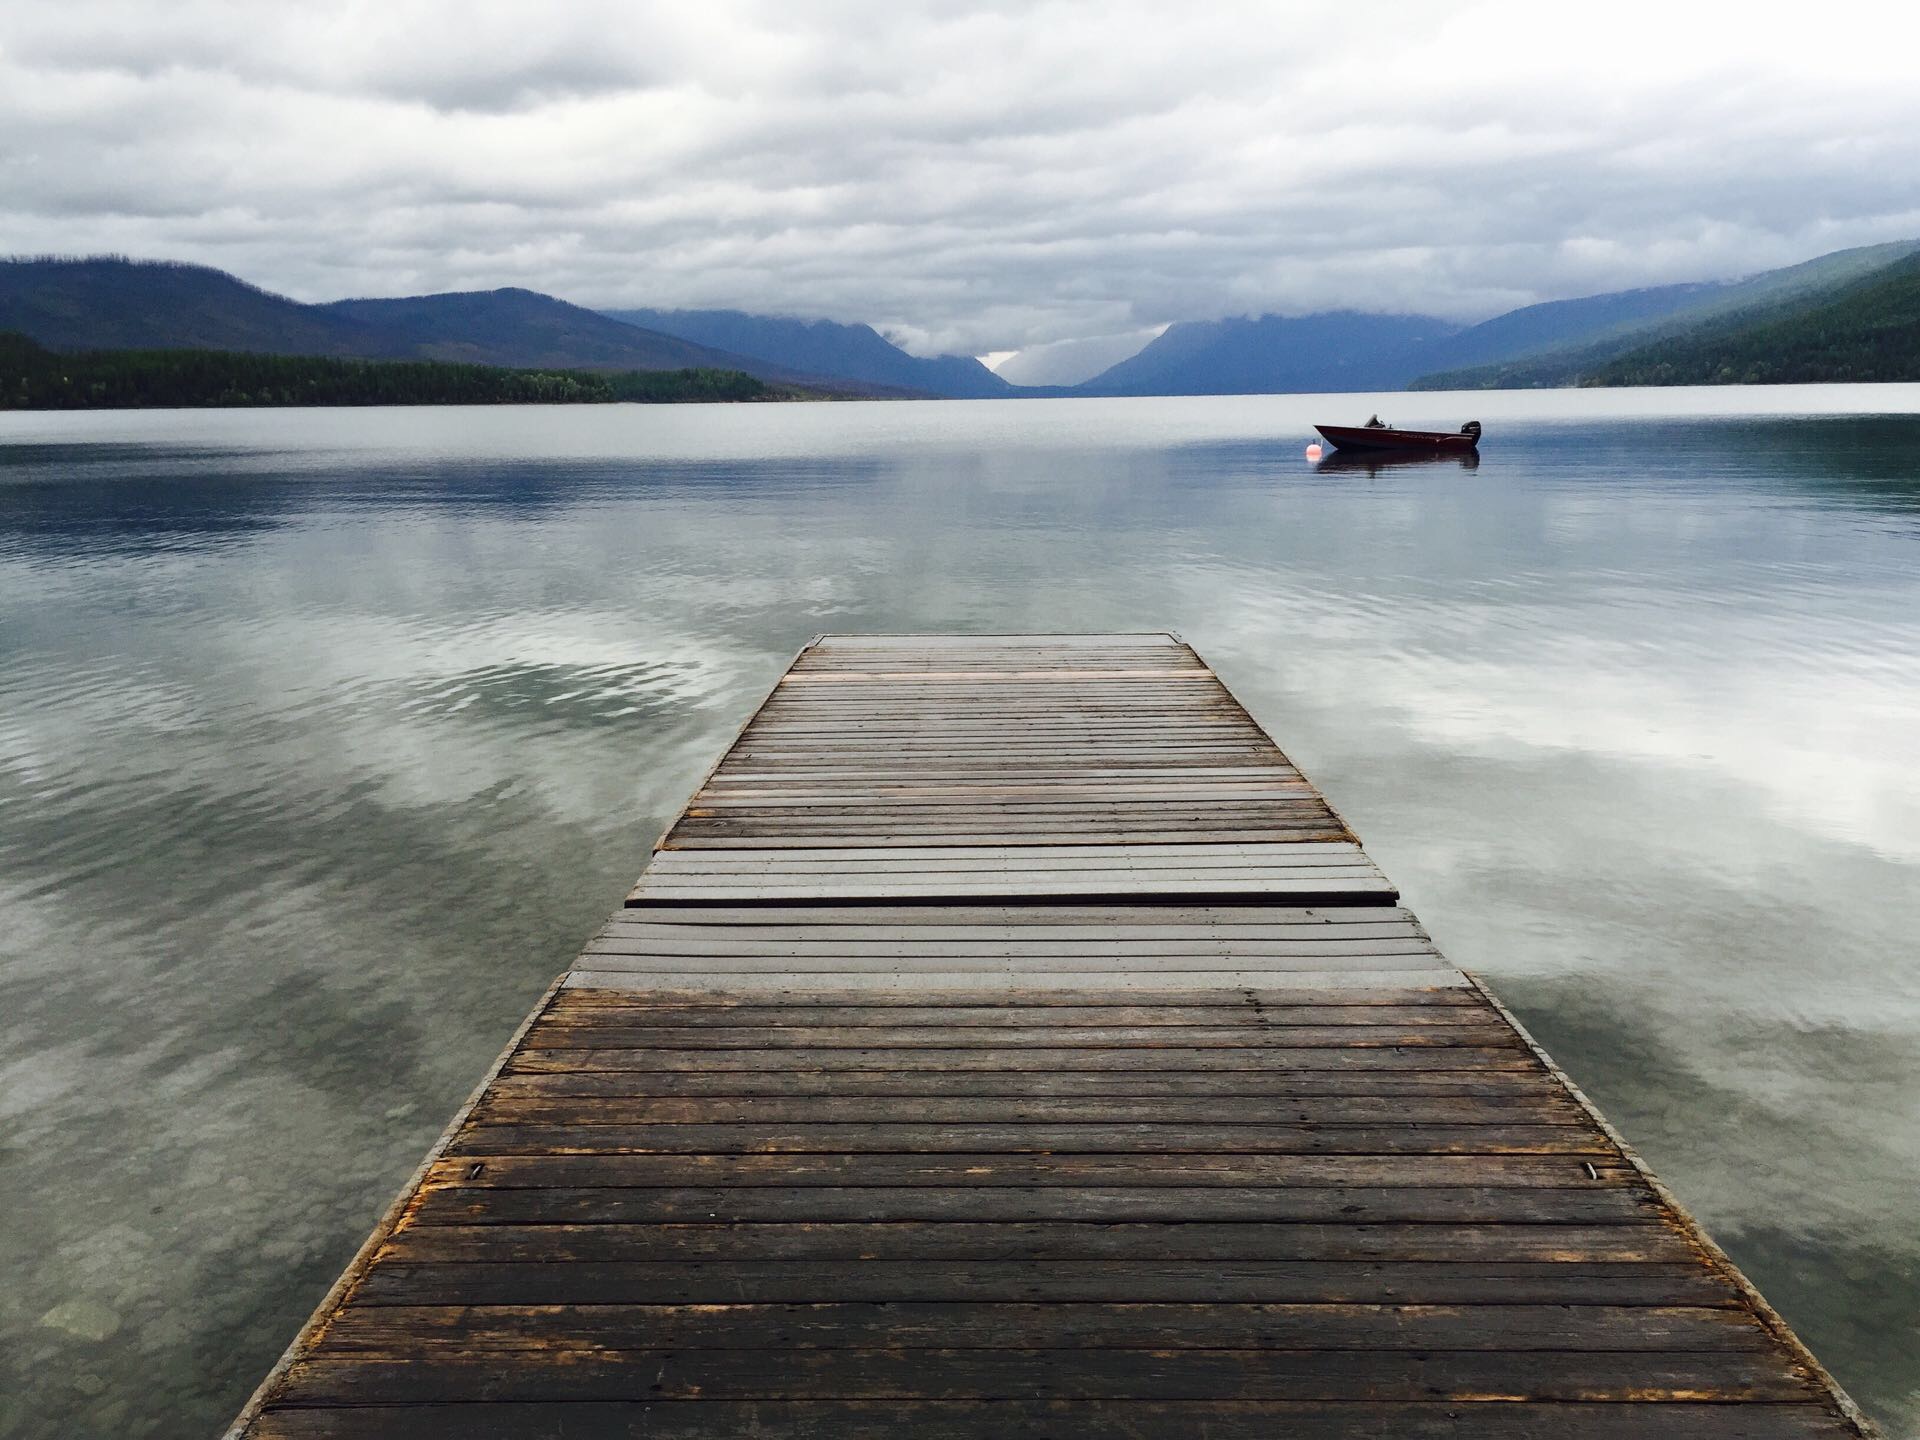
{"type": "Point", "coordinates": [1376, 423]}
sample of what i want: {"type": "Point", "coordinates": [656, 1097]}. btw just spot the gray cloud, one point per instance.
{"type": "Point", "coordinates": [995, 178]}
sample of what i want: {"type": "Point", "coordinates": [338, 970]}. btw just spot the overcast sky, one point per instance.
{"type": "Point", "coordinates": [979, 178]}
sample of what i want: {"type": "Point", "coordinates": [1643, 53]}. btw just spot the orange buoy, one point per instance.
{"type": "Point", "coordinates": [1314, 452]}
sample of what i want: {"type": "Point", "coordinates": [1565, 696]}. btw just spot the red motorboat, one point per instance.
{"type": "Point", "coordinates": [1375, 436]}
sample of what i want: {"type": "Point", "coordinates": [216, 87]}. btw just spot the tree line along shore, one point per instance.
{"type": "Point", "coordinates": [33, 377]}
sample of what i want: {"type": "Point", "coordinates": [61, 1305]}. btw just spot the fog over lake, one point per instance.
{"type": "Point", "coordinates": [327, 736]}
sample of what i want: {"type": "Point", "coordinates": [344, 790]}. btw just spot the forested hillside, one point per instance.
{"type": "Point", "coordinates": [1867, 331]}
{"type": "Point", "coordinates": [1715, 310]}
{"type": "Point", "coordinates": [34, 378]}
{"type": "Point", "coordinates": [113, 303]}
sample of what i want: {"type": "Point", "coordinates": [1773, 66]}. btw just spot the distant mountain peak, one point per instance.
{"type": "Point", "coordinates": [851, 352]}
{"type": "Point", "coordinates": [105, 302]}
{"type": "Point", "coordinates": [516, 326]}
{"type": "Point", "coordinates": [1265, 354]}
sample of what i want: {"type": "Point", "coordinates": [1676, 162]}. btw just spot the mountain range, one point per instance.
{"type": "Point", "coordinates": [822, 347]}
{"type": "Point", "coordinates": [1584, 352]}
{"type": "Point", "coordinates": [1864, 331]}
{"type": "Point", "coordinates": [117, 304]}
{"type": "Point", "coordinates": [1561, 342]}
{"type": "Point", "coordinates": [1270, 354]}
{"type": "Point", "coordinates": [1853, 314]}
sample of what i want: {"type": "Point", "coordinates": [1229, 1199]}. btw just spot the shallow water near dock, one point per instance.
{"type": "Point", "coordinates": [326, 737]}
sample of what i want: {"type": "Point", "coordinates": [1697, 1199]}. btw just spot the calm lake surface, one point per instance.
{"type": "Point", "coordinates": [327, 736]}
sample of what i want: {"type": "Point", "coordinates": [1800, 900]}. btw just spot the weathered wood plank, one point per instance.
{"type": "Point", "coordinates": [1269, 1086]}
{"type": "Point", "coordinates": [1237, 1171]}
{"type": "Point", "coordinates": [1411, 1004]}
{"type": "Point", "coordinates": [642, 976]}
{"type": "Point", "coordinates": [1645, 1242]}
{"type": "Point", "coordinates": [564, 1034]}
{"type": "Point", "coordinates": [1535, 1108]}
{"type": "Point", "coordinates": [1156, 833]}
{"type": "Point", "coordinates": [1142, 853]}
{"type": "Point", "coordinates": [470, 1204]}
{"type": "Point", "coordinates": [770, 1282]}
{"type": "Point", "coordinates": [403, 1330]}
{"type": "Point", "coordinates": [1161, 1140]}
{"type": "Point", "coordinates": [1329, 971]}
{"type": "Point", "coordinates": [1120, 915]}
{"type": "Point", "coordinates": [1170, 860]}
{"type": "Point", "coordinates": [1318, 886]}
{"type": "Point", "coordinates": [828, 646]}
{"type": "Point", "coordinates": [1036, 1060]}
{"type": "Point", "coordinates": [1026, 1419]}
{"type": "Point", "coordinates": [1328, 949]}
{"type": "Point", "coordinates": [590, 1008]}
{"type": "Point", "coordinates": [943, 1373]}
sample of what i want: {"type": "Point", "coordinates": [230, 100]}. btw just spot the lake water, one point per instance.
{"type": "Point", "coordinates": [327, 736]}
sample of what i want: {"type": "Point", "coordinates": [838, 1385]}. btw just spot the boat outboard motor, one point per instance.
{"type": "Point", "coordinates": [1472, 430]}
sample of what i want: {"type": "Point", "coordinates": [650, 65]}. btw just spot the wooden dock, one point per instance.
{"type": "Point", "coordinates": [1007, 1040]}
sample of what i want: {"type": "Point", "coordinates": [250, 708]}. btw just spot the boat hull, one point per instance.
{"type": "Point", "coordinates": [1360, 437]}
